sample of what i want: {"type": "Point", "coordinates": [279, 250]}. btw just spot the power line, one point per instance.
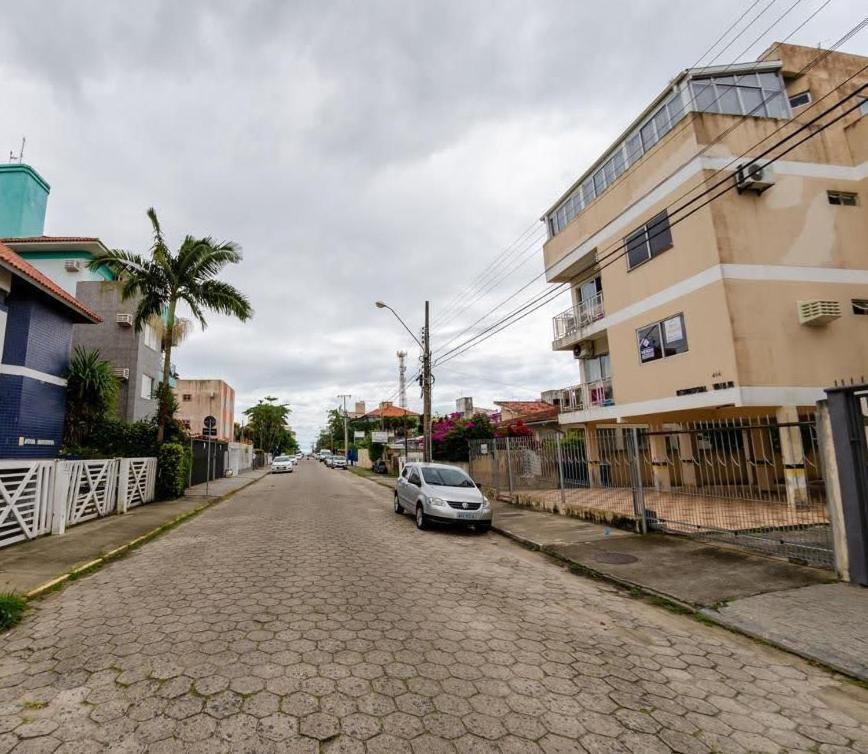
{"type": "Point", "coordinates": [743, 119]}
{"type": "Point", "coordinates": [681, 129]}
{"type": "Point", "coordinates": [542, 300]}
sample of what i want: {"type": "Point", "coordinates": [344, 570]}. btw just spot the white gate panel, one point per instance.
{"type": "Point", "coordinates": [25, 500]}
{"type": "Point", "coordinates": [136, 482]}
{"type": "Point", "coordinates": [91, 488]}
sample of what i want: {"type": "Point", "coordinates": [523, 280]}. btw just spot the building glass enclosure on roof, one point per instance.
{"type": "Point", "coordinates": [760, 94]}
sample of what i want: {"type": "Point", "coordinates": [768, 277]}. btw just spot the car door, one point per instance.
{"type": "Point", "coordinates": [414, 484]}
{"type": "Point", "coordinates": [402, 486]}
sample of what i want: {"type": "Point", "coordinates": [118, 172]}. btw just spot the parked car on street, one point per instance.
{"type": "Point", "coordinates": [379, 467]}
{"type": "Point", "coordinates": [438, 492]}
{"type": "Point", "coordinates": [339, 462]}
{"type": "Point", "coordinates": [327, 460]}
{"type": "Point", "coordinates": [282, 464]}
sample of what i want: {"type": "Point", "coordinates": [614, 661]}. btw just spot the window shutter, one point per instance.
{"type": "Point", "coordinates": [659, 233]}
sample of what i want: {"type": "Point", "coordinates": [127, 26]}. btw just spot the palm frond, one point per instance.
{"type": "Point", "coordinates": [159, 251]}
{"type": "Point", "coordinates": [224, 298]}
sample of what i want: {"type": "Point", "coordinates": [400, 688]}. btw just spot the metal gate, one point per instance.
{"type": "Point", "coordinates": [753, 482]}
{"type": "Point", "coordinates": [757, 483]}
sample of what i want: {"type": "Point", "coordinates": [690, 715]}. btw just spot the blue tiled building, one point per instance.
{"type": "Point", "coordinates": [36, 320]}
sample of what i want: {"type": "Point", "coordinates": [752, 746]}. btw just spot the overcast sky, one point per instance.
{"type": "Point", "coordinates": [357, 151]}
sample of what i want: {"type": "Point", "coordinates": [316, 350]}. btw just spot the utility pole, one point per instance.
{"type": "Point", "coordinates": [346, 431]}
{"type": "Point", "coordinates": [426, 386]}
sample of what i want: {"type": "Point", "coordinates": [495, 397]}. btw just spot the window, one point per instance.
{"type": "Point", "coordinates": [661, 339]}
{"type": "Point", "coordinates": [414, 478]}
{"type": "Point", "coordinates": [863, 108]}
{"type": "Point", "coordinates": [147, 387]}
{"type": "Point", "coordinates": [150, 337]}
{"type": "Point", "coordinates": [758, 94]}
{"type": "Point", "coordinates": [842, 198]}
{"type": "Point", "coordinates": [651, 239]}
{"type": "Point", "coordinates": [860, 306]}
{"type": "Point", "coordinates": [800, 100]}
{"type": "Point", "coordinates": [187, 397]}
{"type": "Point", "coordinates": [445, 477]}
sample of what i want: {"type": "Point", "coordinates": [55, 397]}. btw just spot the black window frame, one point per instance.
{"type": "Point", "coordinates": [806, 95]}
{"type": "Point", "coordinates": [663, 348]}
{"type": "Point", "coordinates": [842, 198]}
{"type": "Point", "coordinates": [655, 237]}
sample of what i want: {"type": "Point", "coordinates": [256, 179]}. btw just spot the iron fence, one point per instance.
{"type": "Point", "coordinates": [754, 482]}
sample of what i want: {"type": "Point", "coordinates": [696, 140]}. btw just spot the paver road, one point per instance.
{"type": "Point", "coordinates": [304, 615]}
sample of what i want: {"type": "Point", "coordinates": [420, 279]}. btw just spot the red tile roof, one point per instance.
{"type": "Point", "coordinates": [389, 412]}
{"type": "Point", "coordinates": [548, 414]}
{"type": "Point", "coordinates": [523, 407]}
{"type": "Point", "coordinates": [11, 261]}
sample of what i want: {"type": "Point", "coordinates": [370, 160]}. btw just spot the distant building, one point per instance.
{"type": "Point", "coordinates": [199, 399]}
{"type": "Point", "coordinates": [387, 410]}
{"type": "Point", "coordinates": [464, 406]}
{"type": "Point", "coordinates": [135, 356]}
{"type": "Point", "coordinates": [511, 410]}
{"type": "Point", "coordinates": [36, 324]}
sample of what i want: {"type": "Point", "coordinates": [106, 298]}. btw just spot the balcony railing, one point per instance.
{"type": "Point", "coordinates": [575, 318]}
{"type": "Point", "coordinates": [587, 395]}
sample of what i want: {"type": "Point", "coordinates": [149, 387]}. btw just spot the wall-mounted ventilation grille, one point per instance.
{"type": "Point", "coordinates": [818, 312]}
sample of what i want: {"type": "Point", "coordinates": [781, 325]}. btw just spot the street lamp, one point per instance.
{"type": "Point", "coordinates": [425, 345]}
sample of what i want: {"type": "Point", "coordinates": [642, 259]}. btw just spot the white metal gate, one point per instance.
{"type": "Point", "coordinates": [25, 500]}
{"type": "Point", "coordinates": [89, 488]}
{"type": "Point", "coordinates": [136, 482]}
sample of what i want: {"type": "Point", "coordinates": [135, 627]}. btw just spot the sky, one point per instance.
{"type": "Point", "coordinates": [356, 151]}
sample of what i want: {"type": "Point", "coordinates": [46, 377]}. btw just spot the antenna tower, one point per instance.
{"type": "Point", "coordinates": [402, 379]}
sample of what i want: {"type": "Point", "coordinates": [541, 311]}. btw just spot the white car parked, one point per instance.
{"type": "Point", "coordinates": [441, 493]}
{"type": "Point", "coordinates": [282, 465]}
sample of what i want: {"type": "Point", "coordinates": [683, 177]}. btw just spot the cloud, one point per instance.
{"type": "Point", "coordinates": [357, 151]}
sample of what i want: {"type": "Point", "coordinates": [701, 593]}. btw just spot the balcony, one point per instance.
{"type": "Point", "coordinates": [587, 395]}
{"type": "Point", "coordinates": [568, 326]}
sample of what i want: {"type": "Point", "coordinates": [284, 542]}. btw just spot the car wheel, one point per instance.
{"type": "Point", "coordinates": [421, 518]}
{"type": "Point", "coordinates": [398, 509]}
{"type": "Point", "coordinates": [482, 528]}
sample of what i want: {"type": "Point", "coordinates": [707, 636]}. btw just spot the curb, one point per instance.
{"type": "Point", "coordinates": [92, 565]}
{"type": "Point", "coordinates": [705, 614]}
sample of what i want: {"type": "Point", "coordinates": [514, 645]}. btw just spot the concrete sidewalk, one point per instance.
{"type": "Point", "coordinates": [796, 608]}
{"type": "Point", "coordinates": [29, 565]}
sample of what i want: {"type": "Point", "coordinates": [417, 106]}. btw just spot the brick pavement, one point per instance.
{"type": "Point", "coordinates": [305, 615]}
{"type": "Point", "coordinates": [825, 622]}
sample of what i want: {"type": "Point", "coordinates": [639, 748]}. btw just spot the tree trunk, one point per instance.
{"type": "Point", "coordinates": [163, 408]}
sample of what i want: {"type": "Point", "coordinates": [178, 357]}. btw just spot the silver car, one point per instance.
{"type": "Point", "coordinates": [437, 492]}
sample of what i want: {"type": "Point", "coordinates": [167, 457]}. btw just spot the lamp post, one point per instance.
{"type": "Point", "coordinates": [425, 345]}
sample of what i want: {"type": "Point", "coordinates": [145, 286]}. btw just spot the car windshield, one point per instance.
{"type": "Point", "coordinates": [446, 477]}
{"type": "Point", "coordinates": [282, 459]}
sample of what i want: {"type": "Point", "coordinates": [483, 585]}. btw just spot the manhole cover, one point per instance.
{"type": "Point", "coordinates": [614, 558]}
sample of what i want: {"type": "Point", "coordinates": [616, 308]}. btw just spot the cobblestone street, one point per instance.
{"type": "Point", "coordinates": [303, 615]}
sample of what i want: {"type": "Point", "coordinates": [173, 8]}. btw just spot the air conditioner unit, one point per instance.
{"type": "Point", "coordinates": [124, 319]}
{"type": "Point", "coordinates": [122, 373]}
{"type": "Point", "coordinates": [754, 177]}
{"type": "Point", "coordinates": [73, 265]}
{"type": "Point", "coordinates": [817, 312]}
{"type": "Point", "coordinates": [584, 350]}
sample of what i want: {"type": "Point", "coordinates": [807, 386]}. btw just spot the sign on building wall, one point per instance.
{"type": "Point", "coordinates": [381, 437]}
{"type": "Point", "coordinates": [359, 435]}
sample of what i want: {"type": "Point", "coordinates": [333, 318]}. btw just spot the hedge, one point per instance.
{"type": "Point", "coordinates": [173, 470]}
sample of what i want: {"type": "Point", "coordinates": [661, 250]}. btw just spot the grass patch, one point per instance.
{"type": "Point", "coordinates": [11, 609]}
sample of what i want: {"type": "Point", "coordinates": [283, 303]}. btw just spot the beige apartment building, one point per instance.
{"type": "Point", "coordinates": [751, 304]}
{"type": "Point", "coordinates": [199, 399]}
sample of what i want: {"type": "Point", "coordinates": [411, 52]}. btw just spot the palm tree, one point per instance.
{"type": "Point", "coordinates": [91, 393]}
{"type": "Point", "coordinates": [164, 279]}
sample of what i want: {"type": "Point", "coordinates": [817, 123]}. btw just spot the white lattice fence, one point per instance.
{"type": "Point", "coordinates": [84, 490]}
{"type": "Point", "coordinates": [25, 500]}
{"type": "Point", "coordinates": [136, 480]}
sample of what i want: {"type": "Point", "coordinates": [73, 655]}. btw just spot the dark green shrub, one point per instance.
{"type": "Point", "coordinates": [173, 469]}
{"type": "Point", "coordinates": [11, 609]}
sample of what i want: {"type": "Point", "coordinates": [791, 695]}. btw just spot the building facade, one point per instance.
{"type": "Point", "coordinates": [749, 303]}
{"type": "Point", "coordinates": [135, 356]}
{"type": "Point", "coordinates": [36, 324]}
{"type": "Point", "coordinates": [199, 399]}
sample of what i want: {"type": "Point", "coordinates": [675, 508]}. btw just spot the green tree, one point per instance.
{"type": "Point", "coordinates": [267, 424]}
{"type": "Point", "coordinates": [91, 394]}
{"type": "Point", "coordinates": [163, 279]}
